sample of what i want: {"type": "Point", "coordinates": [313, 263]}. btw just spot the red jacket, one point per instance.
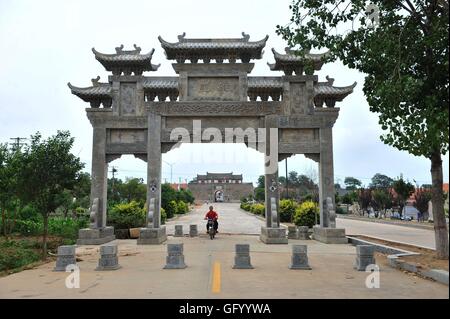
{"type": "Point", "coordinates": [212, 214]}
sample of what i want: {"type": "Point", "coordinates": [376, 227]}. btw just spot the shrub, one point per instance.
{"type": "Point", "coordinates": [28, 227]}
{"type": "Point", "coordinates": [258, 209]}
{"type": "Point", "coordinates": [246, 206]}
{"type": "Point", "coordinates": [124, 216]}
{"type": "Point", "coordinates": [163, 216]}
{"type": "Point", "coordinates": [66, 227]}
{"type": "Point", "coordinates": [172, 209]}
{"type": "Point", "coordinates": [306, 213]}
{"type": "Point", "coordinates": [28, 212]}
{"type": "Point", "coordinates": [340, 210]}
{"type": "Point", "coordinates": [81, 212]}
{"type": "Point", "coordinates": [15, 254]}
{"type": "Point", "coordinates": [185, 195]}
{"type": "Point", "coordinates": [287, 210]}
{"type": "Point", "coordinates": [182, 207]}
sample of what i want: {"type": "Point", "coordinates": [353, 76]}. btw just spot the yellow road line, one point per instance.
{"type": "Point", "coordinates": [216, 278]}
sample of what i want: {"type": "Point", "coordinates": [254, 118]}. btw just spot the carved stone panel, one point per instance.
{"type": "Point", "coordinates": [298, 98]}
{"type": "Point", "coordinates": [126, 141]}
{"type": "Point", "coordinates": [299, 135]}
{"type": "Point", "coordinates": [128, 99]}
{"type": "Point", "coordinates": [127, 136]}
{"type": "Point", "coordinates": [213, 89]}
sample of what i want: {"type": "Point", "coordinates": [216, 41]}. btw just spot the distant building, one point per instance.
{"type": "Point", "coordinates": [219, 187]}
{"type": "Point", "coordinates": [178, 186]}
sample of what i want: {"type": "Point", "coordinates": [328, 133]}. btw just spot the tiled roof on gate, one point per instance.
{"type": "Point", "coordinates": [326, 92]}
{"type": "Point", "coordinates": [98, 93]}
{"type": "Point", "coordinates": [209, 49]}
{"type": "Point", "coordinates": [295, 61]}
{"type": "Point", "coordinates": [126, 61]}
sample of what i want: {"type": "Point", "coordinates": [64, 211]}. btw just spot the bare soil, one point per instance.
{"type": "Point", "coordinates": [426, 260]}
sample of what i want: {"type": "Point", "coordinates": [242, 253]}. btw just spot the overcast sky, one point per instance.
{"type": "Point", "coordinates": [45, 44]}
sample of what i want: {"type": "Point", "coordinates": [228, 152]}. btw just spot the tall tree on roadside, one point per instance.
{"type": "Point", "coordinates": [422, 198]}
{"type": "Point", "coordinates": [10, 165]}
{"type": "Point", "coordinates": [380, 181]}
{"type": "Point", "coordinates": [402, 47]}
{"type": "Point", "coordinates": [403, 190]}
{"type": "Point", "coordinates": [352, 183]}
{"type": "Point", "coordinates": [49, 169]}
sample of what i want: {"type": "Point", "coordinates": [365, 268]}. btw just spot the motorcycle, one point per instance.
{"type": "Point", "coordinates": [211, 230]}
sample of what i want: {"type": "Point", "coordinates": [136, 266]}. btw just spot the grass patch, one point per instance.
{"type": "Point", "coordinates": [18, 253]}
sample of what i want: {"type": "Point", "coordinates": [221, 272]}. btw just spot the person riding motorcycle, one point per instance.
{"type": "Point", "coordinates": [211, 214]}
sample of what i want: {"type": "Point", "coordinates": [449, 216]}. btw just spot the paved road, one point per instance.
{"type": "Point", "coordinates": [232, 220]}
{"type": "Point", "coordinates": [415, 236]}
{"type": "Point", "coordinates": [210, 274]}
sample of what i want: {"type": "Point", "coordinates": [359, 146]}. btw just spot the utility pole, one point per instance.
{"type": "Point", "coordinates": [17, 142]}
{"type": "Point", "coordinates": [171, 165]}
{"type": "Point", "coordinates": [113, 171]}
{"type": "Point", "coordinates": [287, 182]}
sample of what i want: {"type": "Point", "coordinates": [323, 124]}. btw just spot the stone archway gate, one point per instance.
{"type": "Point", "coordinates": [207, 99]}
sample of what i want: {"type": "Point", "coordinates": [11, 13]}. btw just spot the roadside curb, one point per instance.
{"type": "Point", "coordinates": [438, 275]}
{"type": "Point", "coordinates": [381, 221]}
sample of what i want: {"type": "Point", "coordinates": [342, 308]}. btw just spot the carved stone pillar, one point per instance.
{"type": "Point", "coordinates": [154, 233]}
{"type": "Point", "coordinates": [98, 233]}
{"type": "Point", "coordinates": [326, 174]}
{"type": "Point", "coordinates": [272, 233]}
{"type": "Point", "coordinates": [327, 231]}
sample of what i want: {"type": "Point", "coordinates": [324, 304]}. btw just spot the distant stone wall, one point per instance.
{"type": "Point", "coordinates": [231, 192]}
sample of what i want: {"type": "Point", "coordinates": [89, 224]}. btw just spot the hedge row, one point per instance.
{"type": "Point", "coordinates": [301, 214]}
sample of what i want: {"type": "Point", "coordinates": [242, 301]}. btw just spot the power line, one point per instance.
{"type": "Point", "coordinates": [17, 144]}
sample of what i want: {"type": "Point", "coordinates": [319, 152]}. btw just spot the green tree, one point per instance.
{"type": "Point", "coordinates": [8, 184]}
{"type": "Point", "coordinates": [260, 194]}
{"type": "Point", "coordinates": [133, 189]}
{"type": "Point", "coordinates": [185, 195]}
{"type": "Point", "coordinates": [82, 190]}
{"type": "Point", "coordinates": [382, 199]}
{"type": "Point", "coordinates": [114, 191]}
{"type": "Point", "coordinates": [261, 181]}
{"type": "Point", "coordinates": [168, 194]}
{"type": "Point", "coordinates": [172, 209]}
{"type": "Point", "coordinates": [352, 183]}
{"type": "Point", "coordinates": [422, 198]}
{"type": "Point", "coordinates": [48, 170]}
{"type": "Point", "coordinates": [403, 190]}
{"type": "Point", "coordinates": [365, 198]}
{"type": "Point", "coordinates": [404, 54]}
{"type": "Point", "coordinates": [380, 181]}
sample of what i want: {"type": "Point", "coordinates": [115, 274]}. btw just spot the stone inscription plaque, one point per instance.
{"type": "Point", "coordinates": [128, 98]}
{"type": "Point", "coordinates": [213, 89]}
{"type": "Point", "coordinates": [127, 136]}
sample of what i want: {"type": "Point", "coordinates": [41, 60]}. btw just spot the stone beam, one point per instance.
{"type": "Point", "coordinates": [105, 118]}
{"type": "Point", "coordinates": [318, 119]}
{"type": "Point", "coordinates": [214, 109]}
{"type": "Point", "coordinates": [299, 148]}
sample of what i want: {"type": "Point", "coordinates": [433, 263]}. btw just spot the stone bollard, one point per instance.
{"type": "Point", "coordinates": [175, 257]}
{"type": "Point", "coordinates": [364, 257]}
{"type": "Point", "coordinates": [66, 256]}
{"type": "Point", "coordinates": [178, 231]}
{"type": "Point", "coordinates": [292, 232]}
{"type": "Point", "coordinates": [303, 232]}
{"type": "Point", "coordinates": [242, 258]}
{"type": "Point", "coordinates": [299, 259]}
{"type": "Point", "coordinates": [108, 257]}
{"type": "Point", "coordinates": [193, 230]}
